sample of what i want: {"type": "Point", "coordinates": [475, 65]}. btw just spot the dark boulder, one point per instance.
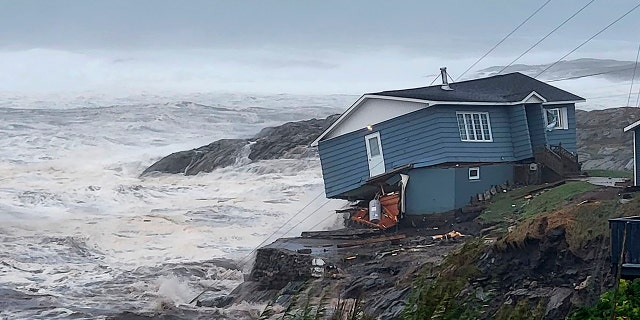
{"type": "Point", "coordinates": [217, 302]}
{"type": "Point", "coordinates": [290, 140]}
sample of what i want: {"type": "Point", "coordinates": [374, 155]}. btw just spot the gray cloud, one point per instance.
{"type": "Point", "coordinates": [285, 45]}
{"type": "Point", "coordinates": [441, 26]}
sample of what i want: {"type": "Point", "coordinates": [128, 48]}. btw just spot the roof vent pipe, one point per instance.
{"type": "Point", "coordinates": [445, 80]}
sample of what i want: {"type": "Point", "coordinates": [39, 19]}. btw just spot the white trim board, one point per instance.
{"type": "Point", "coordinates": [372, 112]}
{"type": "Point", "coordinates": [534, 97]}
{"type": "Point", "coordinates": [632, 126]}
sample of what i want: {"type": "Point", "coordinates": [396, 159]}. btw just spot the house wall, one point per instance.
{"type": "Point", "coordinates": [430, 190]}
{"type": "Point", "coordinates": [433, 190]}
{"type": "Point", "coordinates": [344, 162]}
{"type": "Point", "coordinates": [425, 137]}
{"type": "Point", "coordinates": [566, 137]}
{"type": "Point", "coordinates": [373, 111]}
{"type": "Point", "coordinates": [535, 122]}
{"type": "Point", "coordinates": [520, 132]}
{"type": "Point", "coordinates": [490, 175]}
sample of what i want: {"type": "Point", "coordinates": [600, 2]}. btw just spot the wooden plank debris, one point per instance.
{"type": "Point", "coordinates": [370, 241]}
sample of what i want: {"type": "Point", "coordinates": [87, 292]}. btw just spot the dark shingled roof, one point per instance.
{"type": "Point", "coordinates": [511, 87]}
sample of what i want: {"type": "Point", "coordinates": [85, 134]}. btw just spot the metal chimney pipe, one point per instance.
{"type": "Point", "coordinates": [443, 73]}
{"type": "Point", "coordinates": [445, 80]}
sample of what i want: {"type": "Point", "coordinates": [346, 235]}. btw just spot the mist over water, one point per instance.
{"type": "Point", "coordinates": [83, 236]}
{"type": "Point", "coordinates": [63, 78]}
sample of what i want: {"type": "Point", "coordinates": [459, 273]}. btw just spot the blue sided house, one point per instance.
{"type": "Point", "coordinates": [447, 144]}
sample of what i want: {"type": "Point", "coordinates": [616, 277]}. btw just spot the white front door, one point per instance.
{"type": "Point", "coordinates": [374, 154]}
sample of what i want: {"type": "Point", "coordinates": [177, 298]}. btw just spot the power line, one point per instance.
{"type": "Point", "coordinates": [609, 96]}
{"type": "Point", "coordinates": [589, 39]}
{"type": "Point", "coordinates": [434, 80]}
{"type": "Point", "coordinates": [589, 75]}
{"type": "Point", "coordinates": [503, 39]}
{"type": "Point", "coordinates": [634, 76]}
{"type": "Point", "coordinates": [638, 98]}
{"type": "Point", "coordinates": [546, 36]}
{"type": "Point", "coordinates": [244, 260]}
{"type": "Point", "coordinates": [279, 229]}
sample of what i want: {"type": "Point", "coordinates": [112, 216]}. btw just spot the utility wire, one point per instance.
{"type": "Point", "coordinates": [638, 98]}
{"type": "Point", "coordinates": [633, 78]}
{"type": "Point", "coordinates": [589, 75]}
{"type": "Point", "coordinates": [247, 259]}
{"type": "Point", "coordinates": [279, 229]}
{"type": "Point", "coordinates": [608, 96]}
{"type": "Point", "coordinates": [450, 77]}
{"type": "Point", "coordinates": [589, 39]}
{"type": "Point", "coordinates": [242, 262]}
{"type": "Point", "coordinates": [546, 36]}
{"type": "Point", "coordinates": [434, 80]}
{"type": "Point", "coordinates": [503, 39]}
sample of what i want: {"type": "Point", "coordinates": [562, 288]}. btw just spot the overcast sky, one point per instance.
{"type": "Point", "coordinates": [285, 46]}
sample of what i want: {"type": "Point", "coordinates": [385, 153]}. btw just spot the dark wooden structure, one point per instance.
{"type": "Point", "coordinates": [557, 161]}
{"type": "Point", "coordinates": [625, 247]}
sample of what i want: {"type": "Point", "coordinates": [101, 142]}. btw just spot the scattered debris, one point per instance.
{"type": "Point", "coordinates": [449, 235]}
{"type": "Point", "coordinates": [390, 213]}
{"type": "Point", "coordinates": [317, 271]}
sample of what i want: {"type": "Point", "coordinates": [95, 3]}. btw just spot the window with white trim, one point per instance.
{"type": "Point", "coordinates": [556, 118]}
{"type": "Point", "coordinates": [474, 126]}
{"type": "Point", "coordinates": [474, 173]}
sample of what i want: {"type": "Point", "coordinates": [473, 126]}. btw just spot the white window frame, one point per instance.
{"type": "Point", "coordinates": [563, 118]}
{"type": "Point", "coordinates": [467, 137]}
{"type": "Point", "coordinates": [474, 177]}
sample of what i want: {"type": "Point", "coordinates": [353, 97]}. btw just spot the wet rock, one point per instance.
{"type": "Point", "coordinates": [275, 268]}
{"type": "Point", "coordinates": [217, 302]}
{"type": "Point", "coordinates": [584, 284]}
{"type": "Point", "coordinates": [290, 140]}
{"type": "Point", "coordinates": [602, 148]}
{"type": "Point", "coordinates": [559, 303]}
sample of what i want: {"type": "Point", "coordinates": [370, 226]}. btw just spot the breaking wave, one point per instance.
{"type": "Point", "coordinates": [83, 237]}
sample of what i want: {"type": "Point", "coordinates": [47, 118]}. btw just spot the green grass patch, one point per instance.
{"type": "Point", "coordinates": [582, 223]}
{"type": "Point", "coordinates": [610, 173]}
{"type": "Point", "coordinates": [627, 304]}
{"type": "Point", "coordinates": [513, 205]}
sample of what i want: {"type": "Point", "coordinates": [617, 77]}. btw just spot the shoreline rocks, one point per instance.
{"type": "Point", "coordinates": [290, 141]}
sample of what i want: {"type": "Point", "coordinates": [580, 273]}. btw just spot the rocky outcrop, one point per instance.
{"type": "Point", "coordinates": [602, 144]}
{"type": "Point", "coordinates": [290, 140]}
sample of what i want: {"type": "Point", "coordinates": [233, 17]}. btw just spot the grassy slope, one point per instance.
{"type": "Point", "coordinates": [512, 206]}
{"type": "Point", "coordinates": [441, 297]}
{"type": "Point", "coordinates": [610, 173]}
